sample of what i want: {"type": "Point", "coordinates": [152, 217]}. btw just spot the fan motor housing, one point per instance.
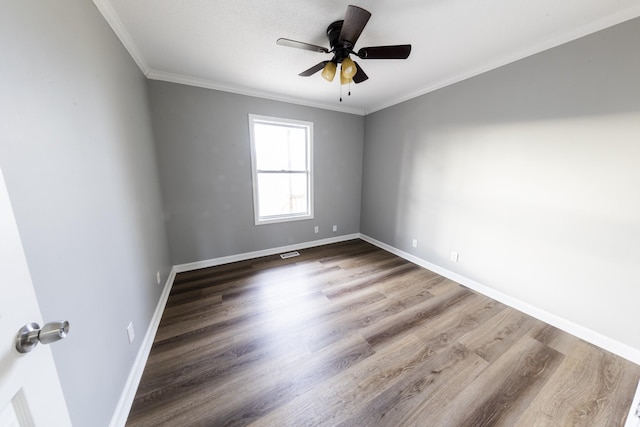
{"type": "Point", "coordinates": [333, 34]}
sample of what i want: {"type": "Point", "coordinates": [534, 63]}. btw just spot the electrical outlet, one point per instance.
{"type": "Point", "coordinates": [158, 276]}
{"type": "Point", "coordinates": [414, 243]}
{"type": "Point", "coordinates": [335, 228]}
{"type": "Point", "coordinates": [454, 256]}
{"type": "Point", "coordinates": [315, 229]}
{"type": "Point", "coordinates": [130, 332]}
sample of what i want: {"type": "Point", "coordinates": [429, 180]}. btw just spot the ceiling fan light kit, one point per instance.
{"type": "Point", "coordinates": [343, 36]}
{"type": "Point", "coordinates": [344, 80]}
{"type": "Point", "coordinates": [329, 71]}
{"type": "Point", "coordinates": [348, 68]}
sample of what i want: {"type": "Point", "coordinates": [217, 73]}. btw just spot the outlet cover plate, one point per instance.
{"type": "Point", "coordinates": [130, 332]}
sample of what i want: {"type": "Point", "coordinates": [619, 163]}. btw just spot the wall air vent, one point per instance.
{"type": "Point", "coordinates": [289, 255]}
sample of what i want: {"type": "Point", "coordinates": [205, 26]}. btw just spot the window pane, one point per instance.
{"type": "Point", "coordinates": [282, 194]}
{"type": "Point", "coordinates": [280, 147]}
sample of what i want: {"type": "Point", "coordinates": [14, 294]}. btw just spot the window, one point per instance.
{"type": "Point", "coordinates": [281, 158]}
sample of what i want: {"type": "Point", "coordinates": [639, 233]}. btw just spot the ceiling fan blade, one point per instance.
{"type": "Point", "coordinates": [400, 51]}
{"type": "Point", "coordinates": [311, 71]}
{"type": "Point", "coordinates": [360, 75]}
{"type": "Point", "coordinates": [354, 22]}
{"type": "Point", "coordinates": [302, 45]}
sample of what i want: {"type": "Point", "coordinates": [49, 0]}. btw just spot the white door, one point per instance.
{"type": "Point", "coordinates": [30, 392]}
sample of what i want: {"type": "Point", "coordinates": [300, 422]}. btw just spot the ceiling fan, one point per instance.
{"type": "Point", "coordinates": [343, 36]}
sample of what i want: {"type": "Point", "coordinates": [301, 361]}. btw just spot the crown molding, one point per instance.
{"type": "Point", "coordinates": [569, 36]}
{"type": "Point", "coordinates": [114, 21]}
{"type": "Point", "coordinates": [112, 18]}
{"type": "Point", "coordinates": [208, 84]}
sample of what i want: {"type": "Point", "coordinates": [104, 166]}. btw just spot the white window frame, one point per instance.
{"type": "Point", "coordinates": [308, 126]}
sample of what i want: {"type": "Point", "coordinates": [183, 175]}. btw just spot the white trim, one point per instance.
{"type": "Point", "coordinates": [632, 418]}
{"type": "Point", "coordinates": [181, 268]}
{"type": "Point", "coordinates": [589, 335]}
{"type": "Point", "coordinates": [601, 24]}
{"type": "Point", "coordinates": [114, 21]}
{"type": "Point", "coordinates": [121, 413]}
{"type": "Point", "coordinates": [208, 84]}
{"type": "Point", "coordinates": [255, 119]}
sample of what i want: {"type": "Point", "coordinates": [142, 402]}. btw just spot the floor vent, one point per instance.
{"type": "Point", "coordinates": [289, 255]}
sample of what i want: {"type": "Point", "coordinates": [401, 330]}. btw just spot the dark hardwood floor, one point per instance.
{"type": "Point", "coordinates": [350, 335]}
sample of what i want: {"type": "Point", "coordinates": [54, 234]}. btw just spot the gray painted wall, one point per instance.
{"type": "Point", "coordinates": [77, 153]}
{"type": "Point", "coordinates": [530, 172]}
{"type": "Point", "coordinates": [202, 139]}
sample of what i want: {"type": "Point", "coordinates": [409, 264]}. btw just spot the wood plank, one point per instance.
{"type": "Point", "coordinates": [414, 317]}
{"type": "Point", "coordinates": [582, 389]}
{"type": "Point", "coordinates": [341, 396]}
{"type": "Point", "coordinates": [504, 389]}
{"type": "Point", "coordinates": [348, 334]}
{"type": "Point", "coordinates": [419, 379]}
{"type": "Point", "coordinates": [247, 396]}
{"type": "Point", "coordinates": [499, 333]}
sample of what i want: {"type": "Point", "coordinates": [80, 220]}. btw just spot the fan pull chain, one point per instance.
{"type": "Point", "coordinates": [340, 93]}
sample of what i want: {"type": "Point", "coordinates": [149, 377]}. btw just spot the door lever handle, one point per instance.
{"type": "Point", "coordinates": [31, 334]}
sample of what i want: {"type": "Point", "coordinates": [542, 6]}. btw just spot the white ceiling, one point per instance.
{"type": "Point", "coordinates": [231, 45]}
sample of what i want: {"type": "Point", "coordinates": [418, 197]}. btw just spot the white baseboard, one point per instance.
{"type": "Point", "coordinates": [126, 399]}
{"type": "Point", "coordinates": [121, 413]}
{"type": "Point", "coordinates": [181, 268]}
{"type": "Point", "coordinates": [579, 331]}
{"type": "Point", "coordinates": [589, 335]}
